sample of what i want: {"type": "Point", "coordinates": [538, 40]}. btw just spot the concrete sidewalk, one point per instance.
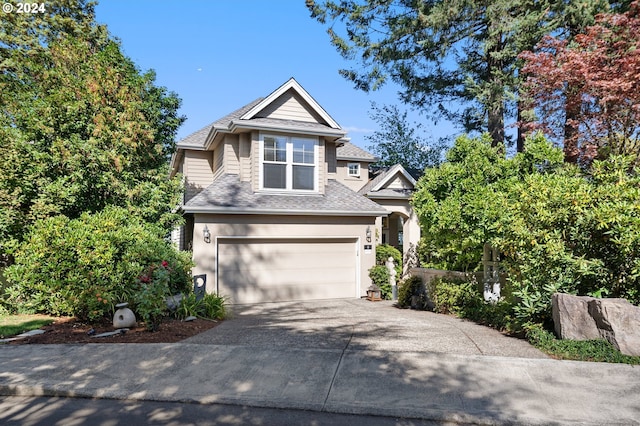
{"type": "Point", "coordinates": [468, 389]}
{"type": "Point", "coordinates": [348, 356]}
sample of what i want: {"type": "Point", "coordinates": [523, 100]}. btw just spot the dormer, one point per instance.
{"type": "Point", "coordinates": [278, 144]}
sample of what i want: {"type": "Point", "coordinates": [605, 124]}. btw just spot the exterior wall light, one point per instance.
{"type": "Point", "coordinates": [206, 234]}
{"type": "Point", "coordinates": [368, 234]}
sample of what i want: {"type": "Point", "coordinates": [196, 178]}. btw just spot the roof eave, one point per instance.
{"type": "Point", "coordinates": [273, 127]}
{"type": "Point", "coordinates": [374, 196]}
{"type": "Point", "coordinates": [281, 212]}
{"type": "Point", "coordinates": [363, 160]}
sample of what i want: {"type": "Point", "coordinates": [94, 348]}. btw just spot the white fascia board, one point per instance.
{"type": "Point", "coordinates": [291, 84]}
{"type": "Point", "coordinates": [231, 210]}
{"type": "Point", "coordinates": [374, 197]}
{"type": "Point", "coordinates": [391, 173]}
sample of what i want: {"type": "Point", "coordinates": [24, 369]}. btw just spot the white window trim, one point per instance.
{"type": "Point", "coordinates": [349, 169]}
{"type": "Point", "coordinates": [289, 164]}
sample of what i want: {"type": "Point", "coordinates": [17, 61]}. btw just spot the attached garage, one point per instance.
{"type": "Point", "coordinates": [252, 269]}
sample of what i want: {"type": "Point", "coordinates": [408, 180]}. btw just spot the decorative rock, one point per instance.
{"type": "Point", "coordinates": [124, 317]}
{"type": "Point", "coordinates": [173, 301]}
{"type": "Point", "coordinates": [619, 323]}
{"type": "Point", "coordinates": [586, 318]}
{"type": "Point", "coordinates": [190, 318]}
{"type": "Point", "coordinates": [111, 333]}
{"type": "Point", "coordinates": [571, 317]}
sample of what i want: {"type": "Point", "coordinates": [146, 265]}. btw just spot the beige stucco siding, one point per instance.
{"type": "Point", "coordinates": [411, 228]}
{"type": "Point", "coordinates": [303, 228]}
{"type": "Point", "coordinates": [198, 172]}
{"type": "Point", "coordinates": [290, 106]}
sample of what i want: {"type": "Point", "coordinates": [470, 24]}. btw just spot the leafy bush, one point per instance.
{"type": "Point", "coordinates": [557, 227]}
{"type": "Point", "coordinates": [85, 266]}
{"type": "Point", "coordinates": [452, 296]}
{"type": "Point", "coordinates": [384, 252]}
{"type": "Point", "coordinates": [412, 286]}
{"type": "Point", "coordinates": [380, 277]}
{"type": "Point", "coordinates": [379, 273]}
{"type": "Point", "coordinates": [211, 306]}
{"type": "Point", "coordinates": [150, 298]}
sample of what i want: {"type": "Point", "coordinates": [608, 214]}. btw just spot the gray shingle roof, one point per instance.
{"type": "Point", "coordinates": [198, 138]}
{"type": "Point", "coordinates": [195, 139]}
{"type": "Point", "coordinates": [229, 195]}
{"type": "Point", "coordinates": [349, 151]}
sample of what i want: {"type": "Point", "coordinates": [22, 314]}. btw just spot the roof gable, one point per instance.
{"type": "Point", "coordinates": [395, 178]}
{"type": "Point", "coordinates": [290, 101]}
{"type": "Point", "coordinates": [394, 182]}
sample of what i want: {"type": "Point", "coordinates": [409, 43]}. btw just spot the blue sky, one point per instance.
{"type": "Point", "coordinates": [219, 55]}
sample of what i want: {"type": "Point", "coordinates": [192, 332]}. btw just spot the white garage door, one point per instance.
{"type": "Point", "coordinates": [269, 270]}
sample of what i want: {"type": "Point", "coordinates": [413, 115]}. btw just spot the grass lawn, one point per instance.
{"type": "Point", "coordinates": [10, 325]}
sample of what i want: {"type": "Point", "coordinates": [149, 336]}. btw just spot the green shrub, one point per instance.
{"type": "Point", "coordinates": [150, 297]}
{"type": "Point", "coordinates": [84, 267]}
{"type": "Point", "coordinates": [452, 296]}
{"type": "Point", "coordinates": [380, 277]}
{"type": "Point", "coordinates": [558, 228]}
{"type": "Point", "coordinates": [383, 252]}
{"type": "Point", "coordinates": [211, 306]}
{"type": "Point", "coordinates": [412, 286]}
{"type": "Point", "coordinates": [464, 299]}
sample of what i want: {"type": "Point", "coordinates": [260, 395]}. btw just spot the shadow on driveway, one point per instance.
{"type": "Point", "coordinates": [358, 324]}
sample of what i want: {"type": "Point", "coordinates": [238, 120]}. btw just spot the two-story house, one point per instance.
{"type": "Point", "coordinates": [272, 206]}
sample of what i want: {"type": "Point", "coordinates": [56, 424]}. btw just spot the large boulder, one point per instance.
{"type": "Point", "coordinates": [619, 322]}
{"type": "Point", "coordinates": [571, 318]}
{"type": "Point", "coordinates": [588, 318]}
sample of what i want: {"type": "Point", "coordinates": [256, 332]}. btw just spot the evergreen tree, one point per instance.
{"type": "Point", "coordinates": [81, 127]}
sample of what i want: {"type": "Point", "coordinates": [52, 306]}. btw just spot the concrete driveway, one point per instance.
{"type": "Point", "coordinates": [358, 324]}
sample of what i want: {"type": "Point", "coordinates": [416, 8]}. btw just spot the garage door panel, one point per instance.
{"type": "Point", "coordinates": [255, 270]}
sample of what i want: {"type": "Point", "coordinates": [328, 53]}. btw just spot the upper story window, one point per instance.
{"type": "Point", "coordinates": [353, 169]}
{"type": "Point", "coordinates": [288, 163]}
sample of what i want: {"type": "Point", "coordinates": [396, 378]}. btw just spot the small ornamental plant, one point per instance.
{"type": "Point", "coordinates": [150, 298]}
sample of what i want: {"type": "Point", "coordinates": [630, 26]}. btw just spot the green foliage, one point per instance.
{"type": "Point", "coordinates": [456, 206]}
{"type": "Point", "coordinates": [379, 273]}
{"type": "Point", "coordinates": [558, 228]}
{"type": "Point", "coordinates": [82, 127]}
{"type": "Point", "coordinates": [211, 306]}
{"type": "Point", "coordinates": [85, 266]}
{"type": "Point", "coordinates": [587, 350]}
{"type": "Point", "coordinates": [380, 277]}
{"type": "Point", "coordinates": [441, 53]}
{"type": "Point", "coordinates": [384, 252]}
{"type": "Point", "coordinates": [464, 299]}
{"type": "Point", "coordinates": [452, 296]}
{"type": "Point", "coordinates": [150, 297]}
{"type": "Point", "coordinates": [398, 141]}
{"type": "Point", "coordinates": [410, 287]}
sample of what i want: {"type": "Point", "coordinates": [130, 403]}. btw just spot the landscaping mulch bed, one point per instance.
{"type": "Point", "coordinates": [70, 330]}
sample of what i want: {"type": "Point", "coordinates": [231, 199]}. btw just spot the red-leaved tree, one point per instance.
{"type": "Point", "coordinates": [587, 92]}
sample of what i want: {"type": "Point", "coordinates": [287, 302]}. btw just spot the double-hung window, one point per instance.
{"type": "Point", "coordinates": [289, 163]}
{"type": "Point", "coordinates": [353, 169]}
